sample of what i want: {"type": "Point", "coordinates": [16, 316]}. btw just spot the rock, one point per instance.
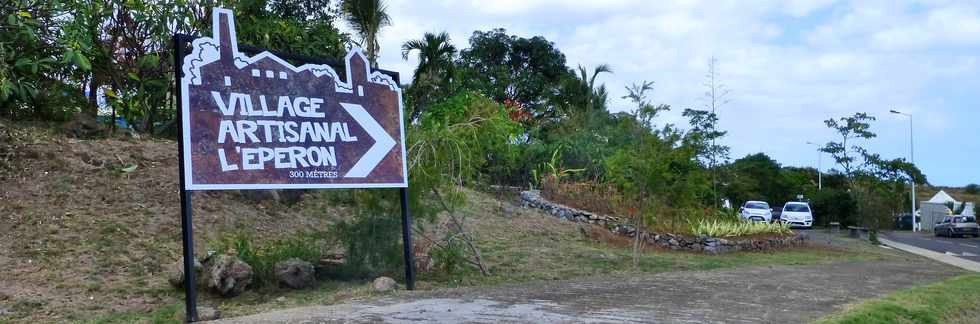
{"type": "Point", "coordinates": [711, 250]}
{"type": "Point", "coordinates": [83, 125]}
{"type": "Point", "coordinates": [226, 275]}
{"type": "Point", "coordinates": [295, 273]}
{"type": "Point", "coordinates": [207, 313]}
{"type": "Point", "coordinates": [175, 273]}
{"type": "Point", "coordinates": [507, 210]}
{"type": "Point", "coordinates": [383, 284]}
{"type": "Point", "coordinates": [281, 299]}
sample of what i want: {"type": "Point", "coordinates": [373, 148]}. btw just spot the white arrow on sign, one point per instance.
{"type": "Point", "coordinates": [382, 141]}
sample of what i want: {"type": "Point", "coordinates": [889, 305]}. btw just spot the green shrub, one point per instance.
{"type": "Point", "coordinates": [728, 228]}
{"type": "Point", "coordinates": [451, 257]}
{"type": "Point", "coordinates": [263, 258]}
{"type": "Point", "coordinates": [834, 205]}
{"type": "Point", "coordinates": [372, 239]}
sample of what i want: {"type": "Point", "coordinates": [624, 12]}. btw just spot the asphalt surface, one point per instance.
{"type": "Point", "coordinates": [966, 247]}
{"type": "Point", "coordinates": [770, 294]}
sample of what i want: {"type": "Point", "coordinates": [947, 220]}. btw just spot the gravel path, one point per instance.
{"type": "Point", "coordinates": [773, 294]}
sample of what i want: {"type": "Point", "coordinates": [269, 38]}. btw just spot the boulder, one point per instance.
{"type": "Point", "coordinates": [83, 125]}
{"type": "Point", "coordinates": [383, 284]}
{"type": "Point", "coordinates": [295, 273]}
{"type": "Point", "coordinates": [207, 313]}
{"type": "Point", "coordinates": [175, 273]}
{"type": "Point", "coordinates": [226, 275]}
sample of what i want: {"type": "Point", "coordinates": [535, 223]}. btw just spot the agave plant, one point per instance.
{"type": "Point", "coordinates": [727, 228]}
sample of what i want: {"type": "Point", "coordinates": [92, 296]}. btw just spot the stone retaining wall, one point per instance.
{"type": "Point", "coordinates": [710, 245]}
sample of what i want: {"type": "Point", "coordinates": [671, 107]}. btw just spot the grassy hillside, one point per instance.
{"type": "Point", "coordinates": [83, 236]}
{"type": "Point", "coordinates": [959, 194]}
{"type": "Point", "coordinates": [86, 236]}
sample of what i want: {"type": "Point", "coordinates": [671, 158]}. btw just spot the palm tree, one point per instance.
{"type": "Point", "coordinates": [435, 70]}
{"type": "Point", "coordinates": [367, 17]}
{"type": "Point", "coordinates": [595, 98]}
{"type": "Point", "coordinates": [436, 54]}
{"type": "Point", "coordinates": [579, 95]}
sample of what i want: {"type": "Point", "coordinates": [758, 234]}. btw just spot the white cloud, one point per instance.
{"type": "Point", "coordinates": [791, 63]}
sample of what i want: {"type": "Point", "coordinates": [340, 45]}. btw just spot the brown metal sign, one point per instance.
{"type": "Point", "coordinates": [259, 122]}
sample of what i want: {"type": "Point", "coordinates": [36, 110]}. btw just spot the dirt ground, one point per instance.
{"type": "Point", "coordinates": [88, 226]}
{"type": "Point", "coordinates": [771, 294]}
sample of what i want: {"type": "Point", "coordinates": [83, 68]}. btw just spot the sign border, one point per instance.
{"type": "Point", "coordinates": [188, 67]}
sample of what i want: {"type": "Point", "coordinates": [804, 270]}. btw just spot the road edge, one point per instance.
{"type": "Point", "coordinates": [941, 257]}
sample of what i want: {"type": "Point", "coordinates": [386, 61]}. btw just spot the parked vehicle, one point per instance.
{"type": "Point", "coordinates": [904, 222]}
{"type": "Point", "coordinates": [758, 211]}
{"type": "Point", "coordinates": [797, 214]}
{"type": "Point", "coordinates": [777, 212]}
{"type": "Point", "coordinates": [952, 226]}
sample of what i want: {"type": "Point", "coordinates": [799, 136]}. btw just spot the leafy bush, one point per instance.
{"type": "Point", "coordinates": [451, 256]}
{"type": "Point", "coordinates": [834, 205]}
{"type": "Point", "coordinates": [728, 228]}
{"type": "Point", "coordinates": [263, 258]}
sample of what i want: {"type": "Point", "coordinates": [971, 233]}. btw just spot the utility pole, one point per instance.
{"type": "Point", "coordinates": [819, 166]}
{"type": "Point", "coordinates": [912, 160]}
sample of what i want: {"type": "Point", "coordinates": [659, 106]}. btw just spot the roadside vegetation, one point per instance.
{"type": "Point", "coordinates": [950, 301]}
{"type": "Point", "coordinates": [736, 228]}
{"type": "Point", "coordinates": [92, 187]}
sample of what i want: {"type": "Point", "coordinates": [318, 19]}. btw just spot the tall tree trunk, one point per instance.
{"type": "Point", "coordinates": [93, 96]}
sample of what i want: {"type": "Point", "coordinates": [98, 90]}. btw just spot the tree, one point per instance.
{"type": "Point", "coordinates": [972, 189]}
{"type": "Point", "coordinates": [716, 93]}
{"type": "Point", "coordinates": [434, 73]}
{"type": "Point", "coordinates": [367, 17]}
{"type": "Point", "coordinates": [756, 177]}
{"type": "Point", "coordinates": [849, 129]}
{"type": "Point", "coordinates": [716, 96]}
{"type": "Point", "coordinates": [703, 134]}
{"type": "Point", "coordinates": [30, 57]}
{"type": "Point", "coordinates": [525, 70]}
{"type": "Point", "coordinates": [645, 111]}
{"type": "Point", "coordinates": [580, 93]}
{"type": "Point", "coordinates": [295, 26]}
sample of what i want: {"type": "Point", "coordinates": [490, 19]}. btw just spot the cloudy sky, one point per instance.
{"type": "Point", "coordinates": [790, 64]}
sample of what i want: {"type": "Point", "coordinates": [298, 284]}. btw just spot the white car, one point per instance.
{"type": "Point", "coordinates": [797, 214]}
{"type": "Point", "coordinates": [756, 211]}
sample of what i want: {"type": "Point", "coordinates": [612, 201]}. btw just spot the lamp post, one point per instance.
{"type": "Point", "coordinates": [912, 160]}
{"type": "Point", "coordinates": [819, 166]}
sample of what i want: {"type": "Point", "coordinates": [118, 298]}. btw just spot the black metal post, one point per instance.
{"type": "Point", "coordinates": [186, 224]}
{"type": "Point", "coordinates": [407, 240]}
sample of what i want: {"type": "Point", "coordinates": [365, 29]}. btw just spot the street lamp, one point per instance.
{"type": "Point", "coordinates": [912, 160]}
{"type": "Point", "coordinates": [819, 166]}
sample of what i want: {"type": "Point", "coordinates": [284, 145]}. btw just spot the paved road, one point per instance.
{"type": "Point", "coordinates": [772, 294]}
{"type": "Point", "coordinates": [966, 248]}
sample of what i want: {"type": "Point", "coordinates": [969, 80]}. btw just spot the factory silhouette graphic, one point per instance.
{"type": "Point", "coordinates": [260, 122]}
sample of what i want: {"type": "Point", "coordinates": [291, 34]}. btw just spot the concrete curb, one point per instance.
{"type": "Point", "coordinates": [941, 257]}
